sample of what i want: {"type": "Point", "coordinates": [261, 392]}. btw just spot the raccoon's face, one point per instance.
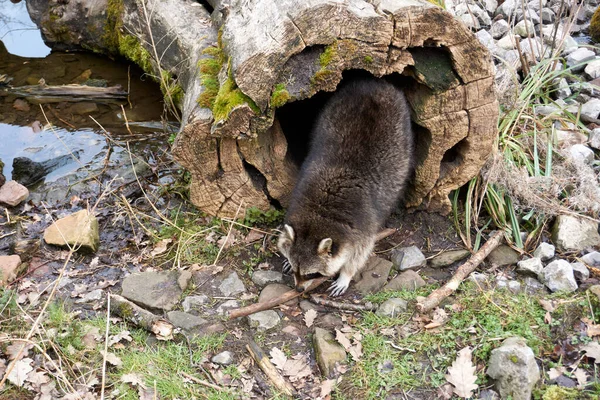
{"type": "Point", "coordinates": [311, 257]}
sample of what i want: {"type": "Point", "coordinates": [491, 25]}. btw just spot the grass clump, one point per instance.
{"type": "Point", "coordinates": [280, 96]}
{"type": "Point", "coordinates": [257, 217]}
{"type": "Point", "coordinates": [368, 59]}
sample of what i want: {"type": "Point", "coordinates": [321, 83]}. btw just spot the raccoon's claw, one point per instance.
{"type": "Point", "coordinates": [287, 267]}
{"type": "Point", "coordinates": [339, 287]}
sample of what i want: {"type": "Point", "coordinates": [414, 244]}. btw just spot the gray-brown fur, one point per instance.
{"type": "Point", "coordinates": [360, 160]}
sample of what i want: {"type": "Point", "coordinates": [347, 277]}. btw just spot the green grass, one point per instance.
{"type": "Point", "coordinates": [479, 320]}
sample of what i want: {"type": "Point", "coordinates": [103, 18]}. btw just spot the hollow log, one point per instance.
{"type": "Point", "coordinates": [254, 73]}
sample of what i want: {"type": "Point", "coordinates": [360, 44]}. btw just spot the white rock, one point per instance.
{"type": "Point", "coordinates": [470, 21]}
{"type": "Point", "coordinates": [593, 69]}
{"type": "Point", "coordinates": [223, 358]}
{"type": "Point", "coordinates": [531, 15]}
{"type": "Point", "coordinates": [592, 259]}
{"type": "Point", "coordinates": [570, 45]}
{"type": "Point", "coordinates": [591, 108]}
{"type": "Point", "coordinates": [536, 4]}
{"type": "Point", "coordinates": [12, 193]}
{"type": "Point", "coordinates": [499, 29]}
{"type": "Point", "coordinates": [490, 5]}
{"type": "Point", "coordinates": [580, 271]}
{"type": "Point", "coordinates": [544, 251]}
{"type": "Point", "coordinates": [507, 8]}
{"type": "Point", "coordinates": [486, 39]}
{"type": "Point", "coordinates": [547, 109]}
{"type": "Point", "coordinates": [532, 266]}
{"type": "Point", "coordinates": [595, 138]}
{"type": "Point", "coordinates": [508, 42]}
{"type": "Point", "coordinates": [571, 233]}
{"type": "Point", "coordinates": [582, 153]}
{"type": "Point", "coordinates": [576, 60]}
{"type": "Point", "coordinates": [524, 29]}
{"type": "Point", "coordinates": [558, 277]}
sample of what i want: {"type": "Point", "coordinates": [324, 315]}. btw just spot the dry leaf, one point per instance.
{"type": "Point", "coordinates": [581, 376]}
{"type": "Point", "coordinates": [355, 349]}
{"type": "Point", "coordinates": [342, 339]}
{"type": "Point", "coordinates": [134, 379]}
{"type": "Point", "coordinates": [37, 379]}
{"type": "Point", "coordinates": [554, 373]}
{"type": "Point", "coordinates": [548, 305]}
{"type": "Point", "coordinates": [278, 358]}
{"type": "Point", "coordinates": [112, 359]}
{"type": "Point", "coordinates": [12, 350]}
{"type": "Point", "coordinates": [592, 329]}
{"type": "Point", "coordinates": [327, 386]}
{"type": "Point", "coordinates": [462, 374]}
{"type": "Point", "coordinates": [387, 331]}
{"type": "Point", "coordinates": [161, 247]}
{"type": "Point", "coordinates": [20, 371]}
{"type": "Point", "coordinates": [309, 317]}
{"type": "Point", "coordinates": [123, 335]}
{"type": "Point", "coordinates": [297, 369]}
{"type": "Point", "coordinates": [592, 350]}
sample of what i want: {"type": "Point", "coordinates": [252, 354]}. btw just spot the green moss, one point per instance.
{"type": "Point", "coordinates": [130, 47]}
{"type": "Point", "coordinates": [112, 27]}
{"type": "Point", "coordinates": [595, 26]}
{"type": "Point", "coordinates": [209, 68]}
{"type": "Point", "coordinates": [328, 54]}
{"type": "Point", "coordinates": [320, 76]}
{"type": "Point", "coordinates": [229, 97]}
{"type": "Point", "coordinates": [560, 393]}
{"type": "Point", "coordinates": [368, 59]}
{"type": "Point", "coordinates": [280, 96]}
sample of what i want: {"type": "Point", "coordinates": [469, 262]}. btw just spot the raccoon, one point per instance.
{"type": "Point", "coordinates": [358, 165]}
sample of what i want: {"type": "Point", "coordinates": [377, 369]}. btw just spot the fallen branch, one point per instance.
{"type": "Point", "coordinates": [385, 233]}
{"type": "Point", "coordinates": [435, 298]}
{"type": "Point", "coordinates": [138, 316]}
{"type": "Point", "coordinates": [72, 93]}
{"type": "Point", "coordinates": [342, 306]}
{"type": "Point", "coordinates": [269, 369]}
{"type": "Point", "coordinates": [287, 296]}
{"type": "Point", "coordinates": [201, 382]}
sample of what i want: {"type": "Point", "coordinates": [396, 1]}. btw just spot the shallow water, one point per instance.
{"type": "Point", "coordinates": [45, 131]}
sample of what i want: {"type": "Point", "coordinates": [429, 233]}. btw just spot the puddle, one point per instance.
{"type": "Point", "coordinates": [42, 132]}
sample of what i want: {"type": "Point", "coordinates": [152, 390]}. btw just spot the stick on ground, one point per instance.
{"type": "Point", "coordinates": [138, 316]}
{"type": "Point", "coordinates": [342, 306]}
{"type": "Point", "coordinates": [287, 296]}
{"type": "Point", "coordinates": [269, 369]}
{"type": "Point", "coordinates": [436, 297]}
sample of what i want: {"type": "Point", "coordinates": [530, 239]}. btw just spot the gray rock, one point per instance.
{"type": "Point", "coordinates": [83, 108]}
{"type": "Point", "coordinates": [576, 60]}
{"type": "Point", "coordinates": [481, 280]}
{"type": "Point", "coordinates": [532, 266]}
{"type": "Point", "coordinates": [470, 21]}
{"type": "Point", "coordinates": [544, 251]}
{"type": "Point", "coordinates": [513, 367]}
{"type": "Point", "coordinates": [570, 45]}
{"type": "Point", "coordinates": [592, 259]}
{"type": "Point", "coordinates": [185, 321]}
{"type": "Point", "coordinates": [12, 193]}
{"type": "Point", "coordinates": [9, 268]}
{"type": "Point", "coordinates": [490, 5]}
{"type": "Point", "coordinates": [306, 305]}
{"type": "Point", "coordinates": [563, 90]}
{"type": "Point", "coordinates": [488, 394]}
{"type": "Point", "coordinates": [514, 286]}
{"type": "Point", "coordinates": [448, 258]}
{"type": "Point", "coordinates": [507, 8]}
{"type": "Point", "coordinates": [508, 42]}
{"type": "Point", "coordinates": [558, 277]}
{"type": "Point", "coordinates": [226, 306]}
{"type": "Point", "coordinates": [547, 16]}
{"type": "Point", "coordinates": [264, 277]}
{"type": "Point", "coordinates": [264, 320]}
{"type": "Point", "coordinates": [223, 358]}
{"type": "Point", "coordinates": [529, 14]}
{"type": "Point", "coordinates": [592, 70]}
{"type": "Point", "coordinates": [373, 276]}
{"type": "Point", "coordinates": [503, 255]}
{"type": "Point", "coordinates": [156, 290]}
{"type": "Point", "coordinates": [570, 233]}
{"type": "Point", "coordinates": [595, 138]}
{"type": "Point", "coordinates": [580, 271]}
{"type": "Point", "coordinates": [94, 295]}
{"type": "Point", "coordinates": [486, 39]}
{"type": "Point", "coordinates": [392, 307]}
{"type": "Point", "coordinates": [232, 285]}
{"type": "Point", "coordinates": [274, 290]}
{"type": "Point", "coordinates": [501, 283]}
{"type": "Point", "coordinates": [328, 352]}
{"type": "Point", "coordinates": [499, 29]}
{"type": "Point", "coordinates": [78, 230]}
{"type": "Point", "coordinates": [569, 138]}
{"type": "Point", "coordinates": [524, 28]}
{"type": "Point", "coordinates": [193, 302]}
{"type": "Point", "coordinates": [329, 321]}
{"type": "Point", "coordinates": [581, 153]}
{"type": "Point", "coordinates": [533, 286]}
{"type": "Point", "coordinates": [547, 109]}
{"type": "Point", "coordinates": [591, 108]}
{"type": "Point", "coordinates": [407, 280]}
{"type": "Point", "coordinates": [408, 258]}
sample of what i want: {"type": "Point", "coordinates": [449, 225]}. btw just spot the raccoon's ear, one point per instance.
{"type": "Point", "coordinates": [325, 246]}
{"type": "Point", "coordinates": [289, 231]}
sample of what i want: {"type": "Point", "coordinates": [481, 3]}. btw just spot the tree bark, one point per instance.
{"type": "Point", "coordinates": [239, 64]}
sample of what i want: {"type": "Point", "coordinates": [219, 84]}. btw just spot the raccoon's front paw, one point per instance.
{"type": "Point", "coordinates": [287, 267]}
{"type": "Point", "coordinates": [340, 286]}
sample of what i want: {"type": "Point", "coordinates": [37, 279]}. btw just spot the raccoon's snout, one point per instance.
{"type": "Point", "coordinates": [303, 281]}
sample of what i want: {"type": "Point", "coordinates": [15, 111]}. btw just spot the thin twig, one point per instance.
{"type": "Point", "coordinates": [342, 306]}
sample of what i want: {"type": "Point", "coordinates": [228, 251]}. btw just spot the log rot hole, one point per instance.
{"type": "Point", "coordinates": [453, 158]}
{"type": "Point", "coordinates": [206, 5]}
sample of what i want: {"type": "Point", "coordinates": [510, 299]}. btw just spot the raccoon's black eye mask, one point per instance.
{"type": "Point", "coordinates": [312, 276]}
